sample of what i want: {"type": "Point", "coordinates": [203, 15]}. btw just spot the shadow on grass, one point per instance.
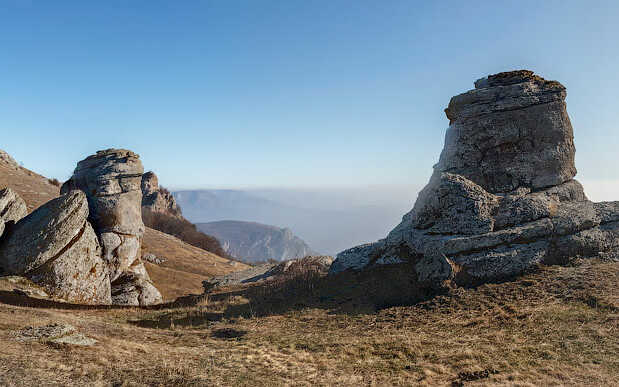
{"type": "Point", "coordinates": [346, 293]}
{"type": "Point", "coordinates": [351, 293]}
{"type": "Point", "coordinates": [16, 299]}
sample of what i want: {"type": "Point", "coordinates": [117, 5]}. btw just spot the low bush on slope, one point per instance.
{"type": "Point", "coordinates": [183, 230]}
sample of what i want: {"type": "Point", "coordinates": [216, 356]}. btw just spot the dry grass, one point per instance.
{"type": "Point", "coordinates": [186, 266]}
{"type": "Point", "coordinates": [555, 327]}
{"type": "Point", "coordinates": [33, 188]}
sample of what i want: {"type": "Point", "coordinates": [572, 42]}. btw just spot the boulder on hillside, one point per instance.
{"type": "Point", "coordinates": [502, 198]}
{"type": "Point", "coordinates": [157, 199]}
{"type": "Point", "coordinates": [56, 247]}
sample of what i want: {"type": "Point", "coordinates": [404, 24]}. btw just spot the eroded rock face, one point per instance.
{"type": "Point", "coordinates": [511, 131]}
{"type": "Point", "coordinates": [134, 287]}
{"type": "Point", "coordinates": [157, 199]}
{"type": "Point", "coordinates": [112, 181]}
{"type": "Point", "coordinates": [7, 160]}
{"type": "Point", "coordinates": [502, 198]}
{"type": "Point", "coordinates": [56, 247]}
{"type": "Point", "coordinates": [12, 208]}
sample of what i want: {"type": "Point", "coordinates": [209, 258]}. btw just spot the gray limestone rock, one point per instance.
{"type": "Point", "coordinates": [452, 204]}
{"type": "Point", "coordinates": [355, 258]}
{"type": "Point", "coordinates": [112, 181]}
{"type": "Point", "coordinates": [54, 333]}
{"type": "Point", "coordinates": [152, 258]}
{"type": "Point", "coordinates": [56, 247]}
{"type": "Point", "coordinates": [135, 288]}
{"type": "Point", "coordinates": [12, 208]}
{"type": "Point", "coordinates": [513, 133]}
{"type": "Point", "coordinates": [502, 198]}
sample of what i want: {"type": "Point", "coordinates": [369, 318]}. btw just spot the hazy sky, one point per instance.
{"type": "Point", "coordinates": [289, 93]}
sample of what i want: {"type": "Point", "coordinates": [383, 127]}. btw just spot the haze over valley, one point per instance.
{"type": "Point", "coordinates": [329, 220]}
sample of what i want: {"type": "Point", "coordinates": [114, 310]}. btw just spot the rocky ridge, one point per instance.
{"type": "Point", "coordinates": [502, 198]}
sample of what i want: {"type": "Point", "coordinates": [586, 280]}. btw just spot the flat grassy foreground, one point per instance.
{"type": "Point", "coordinates": [558, 326]}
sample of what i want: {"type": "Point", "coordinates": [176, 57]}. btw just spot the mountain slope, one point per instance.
{"type": "Point", "coordinates": [186, 266]}
{"type": "Point", "coordinates": [255, 241]}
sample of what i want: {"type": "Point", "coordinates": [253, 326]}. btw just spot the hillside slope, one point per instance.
{"type": "Point", "coordinates": [186, 266]}
{"type": "Point", "coordinates": [256, 242]}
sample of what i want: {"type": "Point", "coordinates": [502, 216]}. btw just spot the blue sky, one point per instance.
{"type": "Point", "coordinates": [288, 93]}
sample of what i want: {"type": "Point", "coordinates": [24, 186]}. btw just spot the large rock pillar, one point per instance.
{"type": "Point", "coordinates": [112, 180]}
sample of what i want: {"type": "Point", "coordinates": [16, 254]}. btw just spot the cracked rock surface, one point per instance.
{"type": "Point", "coordinates": [502, 199]}
{"type": "Point", "coordinates": [57, 248]}
{"type": "Point", "coordinates": [12, 208]}
{"type": "Point", "coordinates": [112, 182]}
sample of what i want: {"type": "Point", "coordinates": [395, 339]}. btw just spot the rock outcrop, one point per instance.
{"type": "Point", "coordinates": [158, 199]}
{"type": "Point", "coordinates": [152, 258]}
{"type": "Point", "coordinates": [56, 333]}
{"type": "Point", "coordinates": [56, 247]}
{"type": "Point", "coordinates": [7, 160]}
{"type": "Point", "coordinates": [134, 287]}
{"type": "Point", "coordinates": [111, 180]}
{"type": "Point", "coordinates": [12, 208]}
{"type": "Point", "coordinates": [502, 198]}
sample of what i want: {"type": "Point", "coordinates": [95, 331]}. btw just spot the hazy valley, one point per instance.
{"type": "Point", "coordinates": [359, 215]}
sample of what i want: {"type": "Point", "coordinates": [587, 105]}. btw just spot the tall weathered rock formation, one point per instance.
{"type": "Point", "coordinates": [502, 197]}
{"type": "Point", "coordinates": [111, 180]}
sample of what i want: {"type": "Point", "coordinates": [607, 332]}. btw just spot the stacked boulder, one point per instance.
{"type": "Point", "coordinates": [111, 180]}
{"type": "Point", "coordinates": [84, 246]}
{"type": "Point", "coordinates": [502, 198]}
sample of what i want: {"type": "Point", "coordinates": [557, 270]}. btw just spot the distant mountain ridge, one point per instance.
{"type": "Point", "coordinates": [256, 242]}
{"type": "Point", "coordinates": [328, 225]}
